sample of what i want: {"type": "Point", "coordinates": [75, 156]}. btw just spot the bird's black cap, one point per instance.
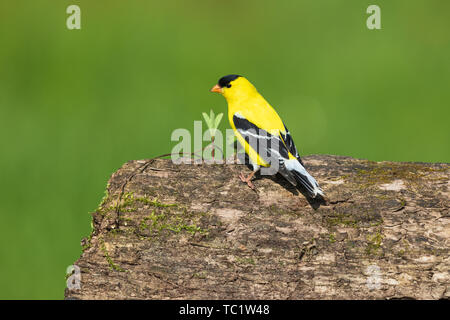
{"type": "Point", "coordinates": [225, 81]}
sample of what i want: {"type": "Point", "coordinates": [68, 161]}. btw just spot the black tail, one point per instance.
{"type": "Point", "coordinates": [308, 182]}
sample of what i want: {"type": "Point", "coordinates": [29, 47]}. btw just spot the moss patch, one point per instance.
{"type": "Point", "coordinates": [381, 173]}
{"type": "Point", "coordinates": [374, 243]}
{"type": "Point", "coordinates": [332, 238]}
{"type": "Point", "coordinates": [342, 219]}
{"type": "Point", "coordinates": [110, 261]}
{"type": "Point", "coordinates": [245, 261]}
{"type": "Point", "coordinates": [170, 220]}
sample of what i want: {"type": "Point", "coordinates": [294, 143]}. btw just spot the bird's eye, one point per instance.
{"type": "Point", "coordinates": [228, 85]}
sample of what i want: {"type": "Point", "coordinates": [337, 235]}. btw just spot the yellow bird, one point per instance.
{"type": "Point", "coordinates": [263, 135]}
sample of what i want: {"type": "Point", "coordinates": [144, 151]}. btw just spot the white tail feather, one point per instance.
{"type": "Point", "coordinates": [309, 183]}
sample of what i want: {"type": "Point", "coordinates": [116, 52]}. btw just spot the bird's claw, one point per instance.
{"type": "Point", "coordinates": [247, 180]}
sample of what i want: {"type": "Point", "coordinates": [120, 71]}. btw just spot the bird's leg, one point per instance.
{"type": "Point", "coordinates": [248, 179]}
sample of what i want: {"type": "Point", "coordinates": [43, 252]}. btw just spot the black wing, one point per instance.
{"type": "Point", "coordinates": [268, 146]}
{"type": "Point", "coordinates": [290, 144]}
{"type": "Point", "coordinates": [264, 143]}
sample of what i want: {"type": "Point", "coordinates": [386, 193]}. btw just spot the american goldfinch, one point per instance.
{"type": "Point", "coordinates": [254, 120]}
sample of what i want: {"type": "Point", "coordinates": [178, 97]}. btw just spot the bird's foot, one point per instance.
{"type": "Point", "coordinates": [247, 180]}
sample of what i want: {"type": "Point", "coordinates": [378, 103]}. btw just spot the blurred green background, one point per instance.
{"type": "Point", "coordinates": [75, 105]}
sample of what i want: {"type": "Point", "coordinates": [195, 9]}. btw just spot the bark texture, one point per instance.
{"type": "Point", "coordinates": [166, 231]}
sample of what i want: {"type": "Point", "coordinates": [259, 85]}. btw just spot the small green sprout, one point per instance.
{"type": "Point", "coordinates": [212, 121]}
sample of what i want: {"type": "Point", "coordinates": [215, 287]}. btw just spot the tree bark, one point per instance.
{"type": "Point", "coordinates": [167, 231]}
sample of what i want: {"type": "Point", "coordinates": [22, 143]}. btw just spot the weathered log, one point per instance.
{"type": "Point", "coordinates": [167, 231]}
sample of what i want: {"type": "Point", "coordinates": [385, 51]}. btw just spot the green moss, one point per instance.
{"type": "Point", "coordinates": [192, 229]}
{"type": "Point", "coordinates": [376, 223]}
{"type": "Point", "coordinates": [128, 204]}
{"type": "Point", "coordinates": [374, 243]}
{"type": "Point", "coordinates": [129, 201]}
{"type": "Point", "coordinates": [86, 243]}
{"type": "Point", "coordinates": [155, 203]}
{"type": "Point", "coordinates": [344, 219]}
{"type": "Point", "coordinates": [102, 208]}
{"type": "Point", "coordinates": [245, 260]}
{"type": "Point", "coordinates": [381, 173]}
{"type": "Point", "coordinates": [173, 222]}
{"type": "Point", "coordinates": [199, 275]}
{"type": "Point", "coordinates": [171, 217]}
{"type": "Point", "coordinates": [69, 274]}
{"type": "Point", "coordinates": [111, 263]}
{"type": "Point", "coordinates": [332, 238]}
{"type": "Point", "coordinates": [406, 249]}
{"type": "Point", "coordinates": [359, 218]}
{"type": "Point", "coordinates": [105, 197]}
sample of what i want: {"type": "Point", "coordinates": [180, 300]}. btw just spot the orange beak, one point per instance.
{"type": "Point", "coordinates": [216, 88]}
